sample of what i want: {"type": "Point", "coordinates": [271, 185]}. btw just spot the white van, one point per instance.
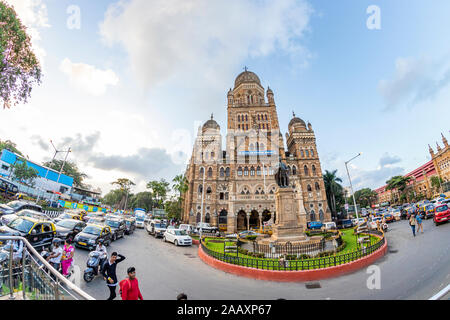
{"type": "Point", "coordinates": [329, 226]}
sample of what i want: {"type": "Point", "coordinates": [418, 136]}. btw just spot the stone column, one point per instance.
{"type": "Point", "coordinates": [248, 221]}
{"type": "Point", "coordinates": [260, 220]}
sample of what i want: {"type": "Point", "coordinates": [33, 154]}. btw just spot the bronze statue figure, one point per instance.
{"type": "Point", "coordinates": [281, 177]}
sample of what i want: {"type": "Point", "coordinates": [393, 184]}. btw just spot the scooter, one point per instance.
{"type": "Point", "coordinates": [95, 260]}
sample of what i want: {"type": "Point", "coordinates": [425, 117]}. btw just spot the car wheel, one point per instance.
{"type": "Point", "coordinates": [176, 243]}
{"type": "Point", "coordinates": [164, 239]}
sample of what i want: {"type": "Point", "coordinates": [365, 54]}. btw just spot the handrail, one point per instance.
{"type": "Point", "coordinates": [49, 267]}
{"type": "Point", "coordinates": [441, 293]}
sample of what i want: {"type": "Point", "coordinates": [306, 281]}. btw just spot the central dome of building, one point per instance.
{"type": "Point", "coordinates": [246, 77]}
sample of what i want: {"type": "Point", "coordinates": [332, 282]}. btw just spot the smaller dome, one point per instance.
{"type": "Point", "coordinates": [296, 120]}
{"type": "Point", "coordinates": [211, 124]}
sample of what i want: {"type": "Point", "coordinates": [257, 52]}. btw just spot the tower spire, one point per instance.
{"type": "Point", "coordinates": [438, 147]}
{"type": "Point", "coordinates": [444, 140]}
{"type": "Point", "coordinates": [430, 149]}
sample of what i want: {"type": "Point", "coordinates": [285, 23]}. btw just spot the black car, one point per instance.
{"type": "Point", "coordinates": [17, 205]}
{"type": "Point", "coordinates": [131, 226]}
{"type": "Point", "coordinates": [118, 228]}
{"type": "Point", "coordinates": [88, 238]}
{"type": "Point", "coordinates": [69, 228]}
{"type": "Point", "coordinates": [39, 233]}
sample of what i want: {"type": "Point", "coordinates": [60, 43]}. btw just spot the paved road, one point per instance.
{"type": "Point", "coordinates": [414, 268]}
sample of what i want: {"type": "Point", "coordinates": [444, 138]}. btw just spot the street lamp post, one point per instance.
{"type": "Point", "coordinates": [351, 187]}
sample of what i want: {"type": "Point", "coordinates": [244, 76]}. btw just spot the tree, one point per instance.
{"type": "Point", "coordinates": [124, 185]}
{"type": "Point", "coordinates": [173, 208]}
{"type": "Point", "coordinates": [24, 173]}
{"type": "Point", "coordinates": [159, 190]}
{"type": "Point", "coordinates": [11, 146]}
{"type": "Point", "coordinates": [365, 197]}
{"type": "Point", "coordinates": [19, 67]}
{"type": "Point", "coordinates": [114, 198]}
{"type": "Point", "coordinates": [332, 189]}
{"type": "Point", "coordinates": [398, 184]}
{"type": "Point", "coordinates": [142, 200]}
{"type": "Point", "coordinates": [436, 183]}
{"type": "Point", "coordinates": [180, 185]}
{"type": "Point", "coordinates": [70, 169]}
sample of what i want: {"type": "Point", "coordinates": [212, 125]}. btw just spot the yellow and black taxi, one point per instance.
{"type": "Point", "coordinates": [427, 211]}
{"type": "Point", "coordinates": [39, 232]}
{"type": "Point", "coordinates": [68, 215]}
{"type": "Point", "coordinates": [89, 236]}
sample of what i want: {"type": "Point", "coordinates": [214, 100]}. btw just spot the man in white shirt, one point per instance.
{"type": "Point", "coordinates": [55, 257]}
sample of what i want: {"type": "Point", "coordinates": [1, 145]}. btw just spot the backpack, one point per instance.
{"type": "Point", "coordinates": [121, 285]}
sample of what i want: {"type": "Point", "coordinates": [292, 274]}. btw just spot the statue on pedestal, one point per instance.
{"type": "Point", "coordinates": [281, 177]}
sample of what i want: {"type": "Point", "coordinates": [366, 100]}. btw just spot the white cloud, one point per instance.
{"type": "Point", "coordinates": [168, 39]}
{"type": "Point", "coordinates": [88, 78]}
{"type": "Point", "coordinates": [33, 14]}
{"type": "Point", "coordinates": [415, 80]}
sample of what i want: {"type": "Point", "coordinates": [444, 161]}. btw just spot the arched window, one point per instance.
{"type": "Point", "coordinates": [289, 170]}
{"type": "Point", "coordinates": [264, 126]}
{"type": "Point", "coordinates": [212, 155]}
{"type": "Point", "coordinates": [317, 186]}
{"type": "Point", "coordinates": [201, 171]}
{"type": "Point", "coordinates": [259, 117]}
{"type": "Point", "coordinates": [309, 188]}
{"type": "Point", "coordinates": [302, 153]}
{"type": "Point", "coordinates": [294, 170]}
{"type": "Point", "coordinates": [258, 171]}
{"type": "Point", "coordinates": [222, 172]}
{"type": "Point", "coordinates": [307, 153]}
{"type": "Point", "coordinates": [321, 215]}
{"type": "Point", "coordinates": [210, 172]}
{"type": "Point", "coordinates": [312, 215]}
{"type": "Point", "coordinates": [245, 171]}
{"type": "Point", "coordinates": [266, 116]}
{"type": "Point", "coordinates": [252, 171]}
{"type": "Point", "coordinates": [246, 118]}
{"type": "Point", "coordinates": [227, 172]}
{"type": "Point", "coordinates": [313, 170]}
{"type": "Point", "coordinates": [200, 189]}
{"type": "Point", "coordinates": [312, 153]}
{"type": "Point", "coordinates": [306, 170]}
{"type": "Point", "coordinates": [239, 171]}
{"type": "Point", "coordinates": [239, 118]}
{"type": "Point", "coordinates": [208, 190]}
{"type": "Point", "coordinates": [251, 147]}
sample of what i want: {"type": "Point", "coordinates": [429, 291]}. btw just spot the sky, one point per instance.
{"type": "Point", "coordinates": [127, 82]}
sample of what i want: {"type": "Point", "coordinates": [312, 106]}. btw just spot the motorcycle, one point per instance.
{"type": "Point", "coordinates": [95, 259]}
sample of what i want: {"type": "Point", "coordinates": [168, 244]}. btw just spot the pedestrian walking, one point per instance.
{"type": "Point", "coordinates": [419, 223]}
{"type": "Point", "coordinates": [67, 257]}
{"type": "Point", "coordinates": [129, 287]}
{"type": "Point", "coordinates": [412, 223]}
{"type": "Point", "coordinates": [109, 273]}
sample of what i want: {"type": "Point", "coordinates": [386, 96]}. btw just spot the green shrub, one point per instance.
{"type": "Point", "coordinates": [251, 237]}
{"type": "Point", "coordinates": [304, 256]}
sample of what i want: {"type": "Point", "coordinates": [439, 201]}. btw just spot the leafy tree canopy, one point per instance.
{"type": "Point", "coordinates": [70, 169]}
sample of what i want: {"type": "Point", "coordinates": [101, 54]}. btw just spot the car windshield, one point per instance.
{"type": "Point", "coordinates": [92, 230]}
{"type": "Point", "coordinates": [69, 224]}
{"type": "Point", "coordinates": [65, 216]}
{"type": "Point", "coordinates": [442, 208]}
{"type": "Point", "coordinates": [21, 225]}
{"type": "Point", "coordinates": [180, 232]}
{"type": "Point", "coordinates": [112, 223]}
{"type": "Point", "coordinates": [14, 204]}
{"type": "Point", "coordinates": [160, 225]}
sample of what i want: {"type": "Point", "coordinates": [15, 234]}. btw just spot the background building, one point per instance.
{"type": "Point", "coordinates": [239, 181]}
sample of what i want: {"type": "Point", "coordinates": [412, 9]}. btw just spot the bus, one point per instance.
{"type": "Point", "coordinates": [140, 216]}
{"type": "Point", "coordinates": [9, 188]}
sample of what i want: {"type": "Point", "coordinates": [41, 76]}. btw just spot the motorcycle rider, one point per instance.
{"type": "Point", "coordinates": [104, 254]}
{"type": "Point", "coordinates": [55, 257]}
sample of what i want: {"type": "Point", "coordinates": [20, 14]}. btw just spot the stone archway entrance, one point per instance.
{"type": "Point", "coordinates": [223, 220]}
{"type": "Point", "coordinates": [266, 215]}
{"type": "Point", "coordinates": [254, 219]}
{"type": "Point", "coordinates": [241, 221]}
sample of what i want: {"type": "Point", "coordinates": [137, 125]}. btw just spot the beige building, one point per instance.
{"type": "Point", "coordinates": [441, 159]}
{"type": "Point", "coordinates": [238, 180]}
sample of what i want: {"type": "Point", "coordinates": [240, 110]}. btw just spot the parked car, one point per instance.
{"type": "Point", "coordinates": [118, 228]}
{"type": "Point", "coordinates": [358, 221]}
{"type": "Point", "coordinates": [156, 228]}
{"type": "Point", "coordinates": [189, 228]}
{"type": "Point", "coordinates": [206, 227]}
{"type": "Point", "coordinates": [248, 234]}
{"type": "Point", "coordinates": [89, 236]}
{"type": "Point", "coordinates": [342, 224]}
{"type": "Point", "coordinates": [69, 228]}
{"type": "Point", "coordinates": [178, 237]}
{"type": "Point", "coordinates": [90, 215]}
{"type": "Point", "coordinates": [374, 221]}
{"type": "Point", "coordinates": [68, 215]}
{"type": "Point", "coordinates": [17, 205]}
{"type": "Point", "coordinates": [314, 225]}
{"type": "Point", "coordinates": [388, 217]}
{"type": "Point", "coordinates": [7, 218]}
{"type": "Point", "coordinates": [96, 220]}
{"type": "Point", "coordinates": [39, 232]}
{"type": "Point", "coordinates": [442, 214]}
{"type": "Point", "coordinates": [332, 225]}
{"type": "Point", "coordinates": [131, 225]}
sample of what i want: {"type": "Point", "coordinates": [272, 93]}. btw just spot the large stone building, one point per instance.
{"type": "Point", "coordinates": [420, 183]}
{"type": "Point", "coordinates": [238, 180]}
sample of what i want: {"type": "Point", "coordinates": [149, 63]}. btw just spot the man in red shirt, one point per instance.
{"type": "Point", "coordinates": [130, 286]}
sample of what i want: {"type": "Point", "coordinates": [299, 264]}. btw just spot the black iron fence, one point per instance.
{"type": "Point", "coordinates": [275, 250]}
{"type": "Point", "coordinates": [295, 265]}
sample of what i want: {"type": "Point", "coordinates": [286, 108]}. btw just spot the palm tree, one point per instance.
{"type": "Point", "coordinates": [398, 183]}
{"type": "Point", "coordinates": [125, 185]}
{"type": "Point", "coordinates": [332, 188]}
{"type": "Point", "coordinates": [180, 185]}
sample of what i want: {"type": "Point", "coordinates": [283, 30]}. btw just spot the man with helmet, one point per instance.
{"type": "Point", "coordinates": [55, 257]}
{"type": "Point", "coordinates": [104, 254]}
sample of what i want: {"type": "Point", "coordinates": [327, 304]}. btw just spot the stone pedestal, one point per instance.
{"type": "Point", "coordinates": [288, 227]}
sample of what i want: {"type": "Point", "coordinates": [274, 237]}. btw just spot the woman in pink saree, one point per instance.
{"type": "Point", "coordinates": [67, 257]}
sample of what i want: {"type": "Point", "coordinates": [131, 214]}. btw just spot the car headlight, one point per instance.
{"type": "Point", "coordinates": [91, 241]}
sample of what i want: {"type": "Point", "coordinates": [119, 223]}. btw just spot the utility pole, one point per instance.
{"type": "Point", "coordinates": [351, 187]}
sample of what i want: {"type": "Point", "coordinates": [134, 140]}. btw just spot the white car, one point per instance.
{"type": "Point", "coordinates": [189, 228]}
{"type": "Point", "coordinates": [329, 226]}
{"type": "Point", "coordinates": [373, 223]}
{"type": "Point", "coordinates": [178, 237]}
{"type": "Point", "coordinates": [358, 221]}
